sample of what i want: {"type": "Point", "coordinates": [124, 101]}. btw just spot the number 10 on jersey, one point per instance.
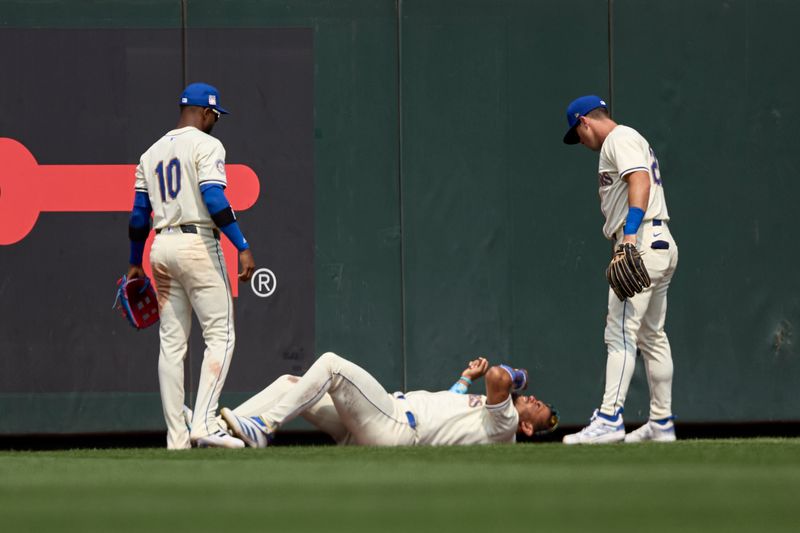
{"type": "Point", "coordinates": [171, 182]}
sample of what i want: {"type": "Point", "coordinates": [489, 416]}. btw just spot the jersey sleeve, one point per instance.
{"type": "Point", "coordinates": [630, 153]}
{"type": "Point", "coordinates": [140, 185]}
{"type": "Point", "coordinates": [211, 164]}
{"type": "Point", "coordinates": [502, 419]}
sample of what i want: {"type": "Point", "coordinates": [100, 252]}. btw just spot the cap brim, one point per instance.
{"type": "Point", "coordinates": [572, 136]}
{"type": "Point", "coordinates": [203, 104]}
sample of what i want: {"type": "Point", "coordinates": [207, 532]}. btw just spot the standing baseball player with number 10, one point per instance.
{"type": "Point", "coordinates": [181, 180]}
{"type": "Point", "coordinates": [633, 203]}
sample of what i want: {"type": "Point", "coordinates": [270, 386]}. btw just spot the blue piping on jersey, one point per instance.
{"type": "Point", "coordinates": [212, 182]}
{"type": "Point", "coordinates": [634, 169]}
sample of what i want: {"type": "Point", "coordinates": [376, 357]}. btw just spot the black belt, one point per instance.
{"type": "Point", "coordinates": [191, 228]}
{"type": "Point", "coordinates": [655, 222]}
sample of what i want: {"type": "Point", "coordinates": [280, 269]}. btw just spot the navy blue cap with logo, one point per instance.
{"type": "Point", "coordinates": [202, 95]}
{"type": "Point", "coordinates": [578, 108]}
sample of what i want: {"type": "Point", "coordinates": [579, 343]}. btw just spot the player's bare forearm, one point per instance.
{"type": "Point", "coordinates": [498, 385]}
{"type": "Point", "coordinates": [638, 195]}
{"type": "Point", "coordinates": [638, 189]}
{"type": "Point", "coordinates": [248, 265]}
{"type": "Point", "coordinates": [475, 370]}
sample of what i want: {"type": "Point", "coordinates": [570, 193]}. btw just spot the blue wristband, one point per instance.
{"type": "Point", "coordinates": [634, 220]}
{"type": "Point", "coordinates": [518, 378]}
{"type": "Point", "coordinates": [459, 387]}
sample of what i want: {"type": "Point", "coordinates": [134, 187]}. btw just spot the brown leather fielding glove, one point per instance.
{"type": "Point", "coordinates": [626, 273]}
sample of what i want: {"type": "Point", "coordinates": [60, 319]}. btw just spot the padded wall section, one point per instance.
{"type": "Point", "coordinates": [713, 87]}
{"type": "Point", "coordinates": [417, 204]}
{"type": "Point", "coordinates": [356, 175]}
{"type": "Point", "coordinates": [102, 96]}
{"type": "Point", "coordinates": [503, 249]}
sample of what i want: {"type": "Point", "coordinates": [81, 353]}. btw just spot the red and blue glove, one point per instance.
{"type": "Point", "coordinates": [137, 301]}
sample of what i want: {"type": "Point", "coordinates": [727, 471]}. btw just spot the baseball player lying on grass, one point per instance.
{"type": "Point", "coordinates": [346, 402]}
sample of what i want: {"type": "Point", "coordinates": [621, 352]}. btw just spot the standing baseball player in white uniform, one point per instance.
{"type": "Point", "coordinates": [632, 201]}
{"type": "Point", "coordinates": [181, 180]}
{"type": "Point", "coordinates": [345, 401]}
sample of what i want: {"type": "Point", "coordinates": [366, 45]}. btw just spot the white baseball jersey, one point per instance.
{"type": "Point", "coordinates": [172, 171]}
{"type": "Point", "coordinates": [447, 418]}
{"type": "Point", "coordinates": [625, 151]}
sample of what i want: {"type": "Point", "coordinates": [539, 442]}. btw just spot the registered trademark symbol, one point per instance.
{"type": "Point", "coordinates": [263, 282]}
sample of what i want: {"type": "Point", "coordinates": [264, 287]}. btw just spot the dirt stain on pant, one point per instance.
{"type": "Point", "coordinates": [215, 368]}
{"type": "Point", "coordinates": [163, 283]}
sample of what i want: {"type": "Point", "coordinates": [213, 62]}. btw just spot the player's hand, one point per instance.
{"type": "Point", "coordinates": [248, 265]}
{"type": "Point", "coordinates": [476, 368]}
{"type": "Point", "coordinates": [629, 239]}
{"type": "Point", "coordinates": [135, 271]}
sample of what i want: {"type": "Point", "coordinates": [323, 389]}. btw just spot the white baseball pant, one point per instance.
{"type": "Point", "coordinates": [322, 415]}
{"type": "Point", "coordinates": [189, 272]}
{"type": "Point", "coordinates": [638, 322]}
{"type": "Point", "coordinates": [367, 412]}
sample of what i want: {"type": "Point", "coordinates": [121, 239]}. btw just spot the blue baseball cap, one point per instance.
{"type": "Point", "coordinates": [578, 108]}
{"type": "Point", "coordinates": [203, 95]}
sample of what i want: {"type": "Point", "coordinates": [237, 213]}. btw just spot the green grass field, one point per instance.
{"type": "Point", "coordinates": [701, 485]}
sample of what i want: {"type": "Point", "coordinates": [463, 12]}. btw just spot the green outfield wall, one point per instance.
{"type": "Point", "coordinates": [417, 205]}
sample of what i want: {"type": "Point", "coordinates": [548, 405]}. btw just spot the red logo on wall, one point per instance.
{"type": "Point", "coordinates": [28, 188]}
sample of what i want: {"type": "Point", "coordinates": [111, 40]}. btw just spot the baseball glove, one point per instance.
{"type": "Point", "coordinates": [626, 273]}
{"type": "Point", "coordinates": [137, 301]}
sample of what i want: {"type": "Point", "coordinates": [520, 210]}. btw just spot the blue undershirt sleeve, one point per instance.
{"type": "Point", "coordinates": [139, 226]}
{"type": "Point", "coordinates": [214, 197]}
{"type": "Point", "coordinates": [221, 213]}
{"type": "Point", "coordinates": [234, 233]}
{"type": "Point", "coordinates": [137, 252]}
{"type": "Point", "coordinates": [140, 215]}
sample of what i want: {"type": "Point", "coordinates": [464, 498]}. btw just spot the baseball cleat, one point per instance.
{"type": "Point", "coordinates": [219, 439]}
{"type": "Point", "coordinates": [251, 429]}
{"type": "Point", "coordinates": [599, 431]}
{"type": "Point", "coordinates": [653, 431]}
